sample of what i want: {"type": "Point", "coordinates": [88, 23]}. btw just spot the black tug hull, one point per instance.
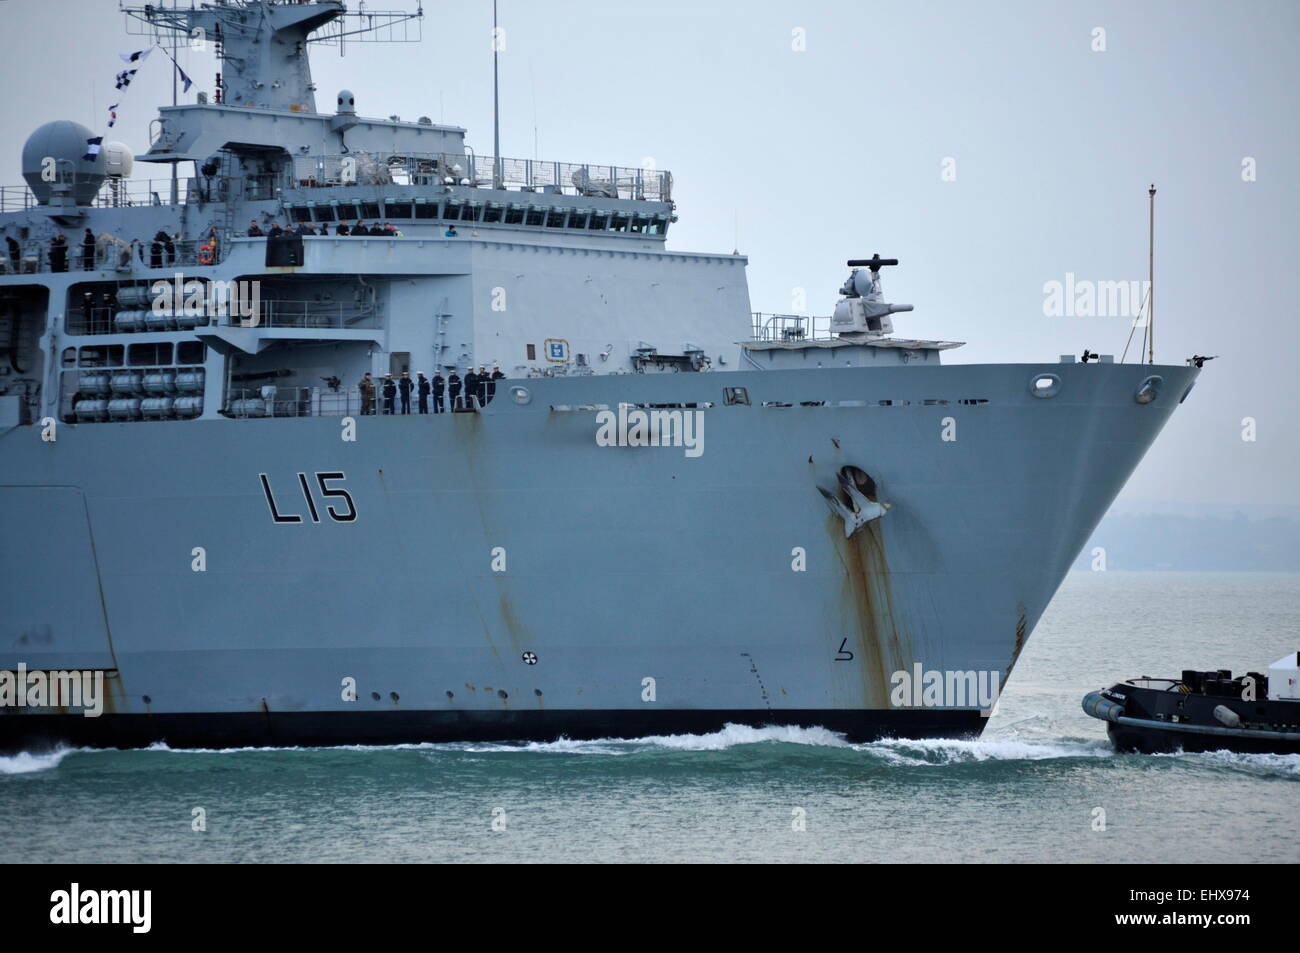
{"type": "Point", "coordinates": [1202, 711]}
{"type": "Point", "coordinates": [1150, 739]}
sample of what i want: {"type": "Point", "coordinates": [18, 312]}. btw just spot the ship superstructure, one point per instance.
{"type": "Point", "coordinates": [663, 512]}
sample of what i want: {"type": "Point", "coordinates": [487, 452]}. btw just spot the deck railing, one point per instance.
{"type": "Point", "coordinates": [41, 256]}
{"type": "Point", "coordinates": [791, 327]}
{"type": "Point", "coordinates": [279, 401]}
{"type": "Point", "coordinates": [529, 175]}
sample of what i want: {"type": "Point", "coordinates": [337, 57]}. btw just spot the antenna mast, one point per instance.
{"type": "Point", "coordinates": [497, 179]}
{"type": "Point", "coordinates": [1151, 279]}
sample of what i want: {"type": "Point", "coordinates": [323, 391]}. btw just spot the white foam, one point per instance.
{"type": "Point", "coordinates": [1286, 765]}
{"type": "Point", "coordinates": [895, 751]}
{"type": "Point", "coordinates": [946, 751]}
{"type": "Point", "coordinates": [25, 762]}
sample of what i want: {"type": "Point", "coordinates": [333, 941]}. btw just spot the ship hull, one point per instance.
{"type": "Point", "coordinates": [502, 575]}
{"type": "Point", "coordinates": [317, 729]}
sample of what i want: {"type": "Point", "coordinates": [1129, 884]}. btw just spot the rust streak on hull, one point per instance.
{"type": "Point", "coordinates": [868, 602]}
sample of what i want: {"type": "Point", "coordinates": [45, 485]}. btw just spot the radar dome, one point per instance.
{"type": "Point", "coordinates": [60, 147]}
{"type": "Point", "coordinates": [118, 160]}
{"type": "Point", "coordinates": [347, 103]}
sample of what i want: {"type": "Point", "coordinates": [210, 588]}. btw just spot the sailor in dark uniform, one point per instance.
{"type": "Point", "coordinates": [58, 253]}
{"type": "Point", "coordinates": [453, 388]}
{"type": "Point", "coordinates": [439, 388]}
{"type": "Point", "coordinates": [492, 382]}
{"type": "Point", "coordinates": [342, 228]}
{"type": "Point", "coordinates": [423, 392]}
{"type": "Point", "coordinates": [471, 388]}
{"type": "Point", "coordinates": [404, 386]}
{"type": "Point", "coordinates": [390, 393]}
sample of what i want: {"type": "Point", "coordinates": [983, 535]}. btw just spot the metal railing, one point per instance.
{"type": "Point", "coordinates": [418, 169]}
{"type": "Point", "coordinates": [101, 319]}
{"type": "Point", "coordinates": [115, 193]}
{"type": "Point", "coordinates": [435, 168]}
{"type": "Point", "coordinates": [276, 313]}
{"type": "Point", "coordinates": [791, 327]}
{"type": "Point", "coordinates": [41, 256]}
{"type": "Point", "coordinates": [277, 401]}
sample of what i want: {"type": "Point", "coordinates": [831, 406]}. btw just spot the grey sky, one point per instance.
{"type": "Point", "coordinates": [813, 157]}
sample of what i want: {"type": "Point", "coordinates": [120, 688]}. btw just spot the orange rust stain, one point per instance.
{"type": "Point", "coordinates": [1021, 626]}
{"type": "Point", "coordinates": [514, 630]}
{"type": "Point", "coordinates": [113, 687]}
{"type": "Point", "coordinates": [879, 645]}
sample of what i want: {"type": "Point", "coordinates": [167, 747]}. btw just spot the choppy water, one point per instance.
{"type": "Point", "coordinates": [1026, 791]}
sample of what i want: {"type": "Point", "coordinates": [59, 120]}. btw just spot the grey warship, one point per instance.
{"type": "Point", "coordinates": [664, 514]}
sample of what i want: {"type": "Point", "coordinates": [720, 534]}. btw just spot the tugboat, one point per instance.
{"type": "Point", "coordinates": [1204, 711]}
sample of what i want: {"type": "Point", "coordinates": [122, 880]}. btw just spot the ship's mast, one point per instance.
{"type": "Point", "coordinates": [175, 189]}
{"type": "Point", "coordinates": [1151, 278]}
{"type": "Point", "coordinates": [263, 43]}
{"type": "Point", "coordinates": [496, 103]}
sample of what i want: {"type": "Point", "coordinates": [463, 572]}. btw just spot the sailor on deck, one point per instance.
{"type": "Point", "coordinates": [367, 388]}
{"type": "Point", "coordinates": [471, 388]}
{"type": "Point", "coordinates": [422, 391]}
{"type": "Point", "coordinates": [439, 388]}
{"type": "Point", "coordinates": [404, 386]}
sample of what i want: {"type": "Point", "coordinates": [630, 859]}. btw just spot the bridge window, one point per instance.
{"type": "Point", "coordinates": [598, 221]}
{"type": "Point", "coordinates": [619, 223]}
{"type": "Point", "coordinates": [471, 213]}
{"type": "Point", "coordinates": [426, 209]}
{"type": "Point", "coordinates": [556, 218]}
{"type": "Point", "coordinates": [492, 213]}
{"type": "Point", "coordinates": [536, 216]}
{"type": "Point", "coordinates": [397, 209]}
{"type": "Point", "coordinates": [514, 215]}
{"type": "Point", "coordinates": [370, 210]}
{"type": "Point", "coordinates": [452, 212]}
{"type": "Point", "coordinates": [191, 352]}
{"type": "Point", "coordinates": [301, 213]}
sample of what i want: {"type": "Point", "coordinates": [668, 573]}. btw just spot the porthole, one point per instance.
{"type": "Point", "coordinates": [1044, 385]}
{"type": "Point", "coordinates": [520, 395]}
{"type": "Point", "coordinates": [1149, 390]}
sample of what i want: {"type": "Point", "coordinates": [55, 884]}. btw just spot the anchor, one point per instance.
{"type": "Point", "coordinates": [859, 510]}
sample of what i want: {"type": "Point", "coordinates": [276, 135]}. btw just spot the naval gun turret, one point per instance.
{"type": "Point", "coordinates": [863, 311]}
